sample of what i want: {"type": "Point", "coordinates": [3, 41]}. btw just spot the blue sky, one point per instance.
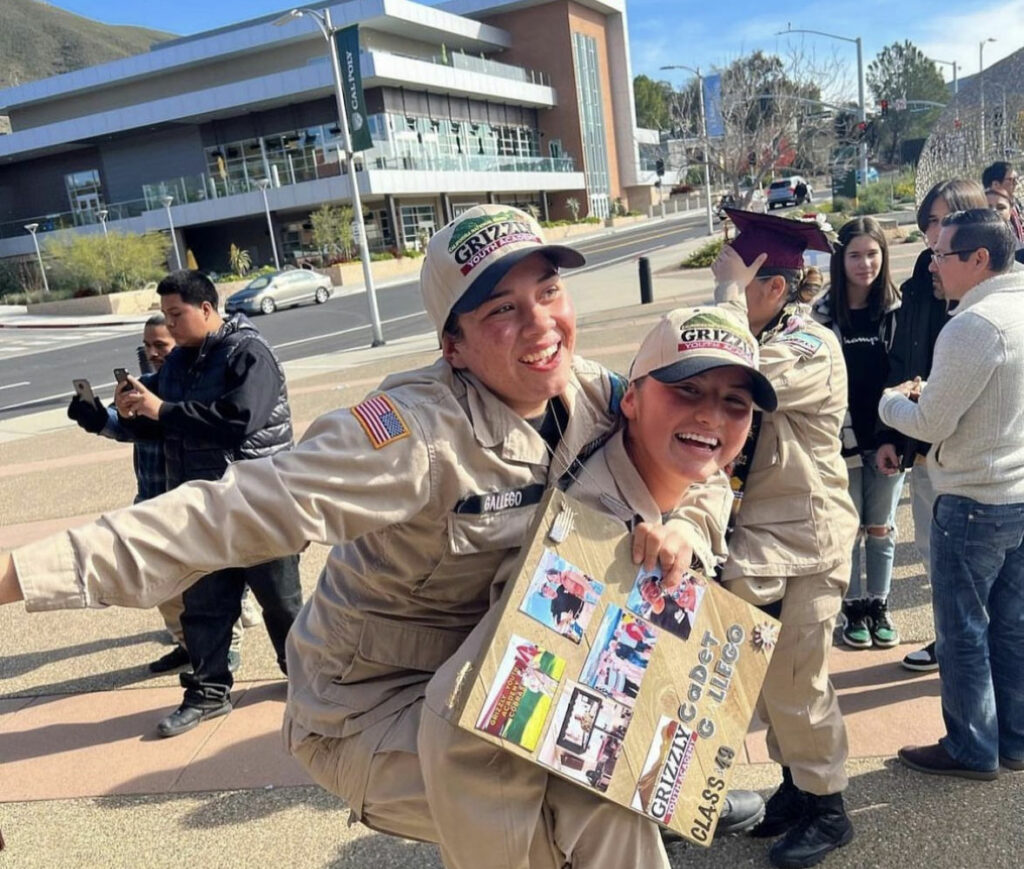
{"type": "Point", "coordinates": [697, 32]}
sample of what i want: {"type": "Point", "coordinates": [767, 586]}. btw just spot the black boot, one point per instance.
{"type": "Point", "coordinates": [784, 809]}
{"type": "Point", "coordinates": [823, 828]}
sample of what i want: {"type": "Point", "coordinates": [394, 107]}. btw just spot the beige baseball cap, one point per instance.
{"type": "Point", "coordinates": [468, 257]}
{"type": "Point", "coordinates": [689, 341]}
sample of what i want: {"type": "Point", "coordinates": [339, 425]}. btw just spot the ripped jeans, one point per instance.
{"type": "Point", "coordinates": [876, 497]}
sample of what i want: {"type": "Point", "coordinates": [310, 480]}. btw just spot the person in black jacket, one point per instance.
{"type": "Point", "coordinates": [220, 397]}
{"type": "Point", "coordinates": [922, 314]}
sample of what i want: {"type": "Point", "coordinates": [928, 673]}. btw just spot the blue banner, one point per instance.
{"type": "Point", "coordinates": [713, 105]}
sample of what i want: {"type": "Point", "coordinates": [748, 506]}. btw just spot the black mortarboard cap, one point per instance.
{"type": "Point", "coordinates": [784, 240]}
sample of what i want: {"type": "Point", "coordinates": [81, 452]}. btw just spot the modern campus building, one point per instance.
{"type": "Point", "coordinates": [527, 102]}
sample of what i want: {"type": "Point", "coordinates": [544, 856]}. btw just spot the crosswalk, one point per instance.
{"type": "Point", "coordinates": [26, 342]}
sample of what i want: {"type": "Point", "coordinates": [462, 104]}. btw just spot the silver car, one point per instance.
{"type": "Point", "coordinates": [269, 292]}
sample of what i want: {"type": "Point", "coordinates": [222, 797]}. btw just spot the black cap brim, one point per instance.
{"type": "Point", "coordinates": [761, 390]}
{"type": "Point", "coordinates": [481, 289]}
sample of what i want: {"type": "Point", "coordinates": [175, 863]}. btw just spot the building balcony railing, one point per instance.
{"type": "Point", "coordinates": [472, 63]}
{"type": "Point", "coordinates": [199, 188]}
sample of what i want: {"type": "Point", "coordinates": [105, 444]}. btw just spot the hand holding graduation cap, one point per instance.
{"type": "Point", "coordinates": [729, 267]}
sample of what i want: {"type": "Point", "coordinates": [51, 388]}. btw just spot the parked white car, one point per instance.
{"type": "Point", "coordinates": [269, 292]}
{"type": "Point", "coordinates": [783, 191]}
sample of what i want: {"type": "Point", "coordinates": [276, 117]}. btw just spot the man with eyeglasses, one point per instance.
{"type": "Point", "coordinates": [1002, 178]}
{"type": "Point", "coordinates": [972, 410]}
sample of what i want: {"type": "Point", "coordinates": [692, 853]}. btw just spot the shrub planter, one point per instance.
{"type": "Point", "coordinates": [132, 302]}
{"type": "Point", "coordinates": [350, 273]}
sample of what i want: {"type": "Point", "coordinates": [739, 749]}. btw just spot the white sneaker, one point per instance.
{"type": "Point", "coordinates": [923, 660]}
{"type": "Point", "coordinates": [251, 613]}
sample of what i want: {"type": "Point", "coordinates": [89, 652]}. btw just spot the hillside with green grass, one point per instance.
{"type": "Point", "coordinates": [38, 40]}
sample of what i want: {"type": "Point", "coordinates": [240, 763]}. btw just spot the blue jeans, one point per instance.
{"type": "Point", "coordinates": [978, 582]}
{"type": "Point", "coordinates": [876, 497]}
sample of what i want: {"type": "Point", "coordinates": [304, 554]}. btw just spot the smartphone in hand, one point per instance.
{"type": "Point", "coordinates": [83, 390]}
{"type": "Point", "coordinates": [121, 376]}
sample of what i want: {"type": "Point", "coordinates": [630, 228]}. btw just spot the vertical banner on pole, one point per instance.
{"type": "Point", "coordinates": [347, 41]}
{"type": "Point", "coordinates": [713, 105]}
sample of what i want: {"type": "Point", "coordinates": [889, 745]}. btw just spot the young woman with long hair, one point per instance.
{"type": "Point", "coordinates": [860, 307]}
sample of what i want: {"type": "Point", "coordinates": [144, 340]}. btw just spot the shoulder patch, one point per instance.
{"type": "Point", "coordinates": [380, 420]}
{"type": "Point", "coordinates": [618, 386]}
{"type": "Point", "coordinates": [803, 343]}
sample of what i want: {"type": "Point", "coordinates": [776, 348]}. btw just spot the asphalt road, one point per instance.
{"type": "Point", "coordinates": [38, 364]}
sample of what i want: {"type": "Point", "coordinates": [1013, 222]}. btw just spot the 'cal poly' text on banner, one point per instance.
{"type": "Point", "coordinates": [347, 43]}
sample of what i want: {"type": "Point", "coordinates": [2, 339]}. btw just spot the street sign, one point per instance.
{"type": "Point", "coordinates": [845, 184]}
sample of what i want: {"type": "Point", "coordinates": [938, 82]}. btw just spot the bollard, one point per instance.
{"type": "Point", "coordinates": [646, 294]}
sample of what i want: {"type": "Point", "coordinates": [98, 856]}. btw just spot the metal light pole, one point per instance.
{"type": "Point", "coordinates": [323, 21]}
{"type": "Point", "coordinates": [102, 215]}
{"type": "Point", "coordinates": [1001, 141]}
{"type": "Point", "coordinates": [32, 227]}
{"type": "Point", "coordinates": [981, 88]}
{"type": "Point", "coordinates": [167, 200]}
{"type": "Point", "coordinates": [263, 184]}
{"type": "Point", "coordinates": [862, 115]}
{"type": "Point", "coordinates": [704, 140]}
{"type": "Point", "coordinates": [956, 84]}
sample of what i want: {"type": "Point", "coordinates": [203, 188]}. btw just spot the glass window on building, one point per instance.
{"type": "Point", "coordinates": [85, 194]}
{"type": "Point", "coordinates": [419, 223]}
{"type": "Point", "coordinates": [595, 152]}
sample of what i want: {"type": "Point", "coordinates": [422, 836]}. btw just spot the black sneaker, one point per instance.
{"type": "Point", "coordinates": [186, 718]}
{"type": "Point", "coordinates": [175, 659]}
{"type": "Point", "coordinates": [857, 630]}
{"type": "Point", "coordinates": [921, 661]}
{"type": "Point", "coordinates": [883, 634]}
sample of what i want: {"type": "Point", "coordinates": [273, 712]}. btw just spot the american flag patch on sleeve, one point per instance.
{"type": "Point", "coordinates": [380, 420]}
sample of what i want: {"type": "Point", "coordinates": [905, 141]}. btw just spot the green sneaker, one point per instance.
{"type": "Point", "coordinates": [857, 631]}
{"type": "Point", "coordinates": [883, 634]}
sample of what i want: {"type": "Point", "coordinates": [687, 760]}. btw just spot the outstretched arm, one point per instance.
{"type": "Point", "coordinates": [10, 589]}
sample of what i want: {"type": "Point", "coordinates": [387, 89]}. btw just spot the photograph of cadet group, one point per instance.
{"type": "Point", "coordinates": [763, 435]}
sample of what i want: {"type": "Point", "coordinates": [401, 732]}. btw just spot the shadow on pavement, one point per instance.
{"type": "Point", "coordinates": [107, 681]}
{"type": "Point", "coordinates": [381, 850]}
{"type": "Point", "coordinates": [901, 818]}
{"type": "Point", "coordinates": [18, 665]}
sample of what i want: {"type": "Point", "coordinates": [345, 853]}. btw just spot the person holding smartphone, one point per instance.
{"type": "Point", "coordinates": [148, 462]}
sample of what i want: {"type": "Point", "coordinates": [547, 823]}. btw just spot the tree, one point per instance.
{"type": "Point", "coordinates": [652, 99]}
{"type": "Point", "coordinates": [113, 263]}
{"type": "Point", "coordinates": [332, 230]}
{"type": "Point", "coordinates": [771, 114]}
{"type": "Point", "coordinates": [901, 70]}
{"type": "Point", "coordinates": [239, 259]}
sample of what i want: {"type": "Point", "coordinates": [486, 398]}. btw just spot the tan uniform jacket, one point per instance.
{"type": "Point", "coordinates": [428, 518]}
{"type": "Point", "coordinates": [796, 517]}
{"type": "Point", "coordinates": [611, 483]}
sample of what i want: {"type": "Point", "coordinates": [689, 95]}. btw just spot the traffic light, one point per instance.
{"type": "Point", "coordinates": [884, 105]}
{"type": "Point", "coordinates": [659, 167]}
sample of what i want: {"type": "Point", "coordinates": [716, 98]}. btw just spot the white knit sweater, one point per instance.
{"type": "Point", "coordinates": [972, 408]}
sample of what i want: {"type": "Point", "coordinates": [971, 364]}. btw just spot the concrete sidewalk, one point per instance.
{"type": "Point", "coordinates": [85, 782]}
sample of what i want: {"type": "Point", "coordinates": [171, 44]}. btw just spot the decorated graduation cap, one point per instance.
{"type": "Point", "coordinates": [784, 240]}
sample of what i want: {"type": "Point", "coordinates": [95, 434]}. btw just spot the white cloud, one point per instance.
{"type": "Point", "coordinates": [956, 36]}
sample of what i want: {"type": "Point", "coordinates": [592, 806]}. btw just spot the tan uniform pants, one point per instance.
{"type": "Point", "coordinates": [805, 727]}
{"type": "Point", "coordinates": [418, 776]}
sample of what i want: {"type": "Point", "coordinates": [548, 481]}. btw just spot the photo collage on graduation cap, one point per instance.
{"type": "Point", "coordinates": [619, 656]}
{"type": "Point", "coordinates": [592, 712]}
{"type": "Point", "coordinates": [561, 596]}
{"type": "Point", "coordinates": [585, 737]}
{"type": "Point", "coordinates": [521, 694]}
{"type": "Point", "coordinates": [675, 611]}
